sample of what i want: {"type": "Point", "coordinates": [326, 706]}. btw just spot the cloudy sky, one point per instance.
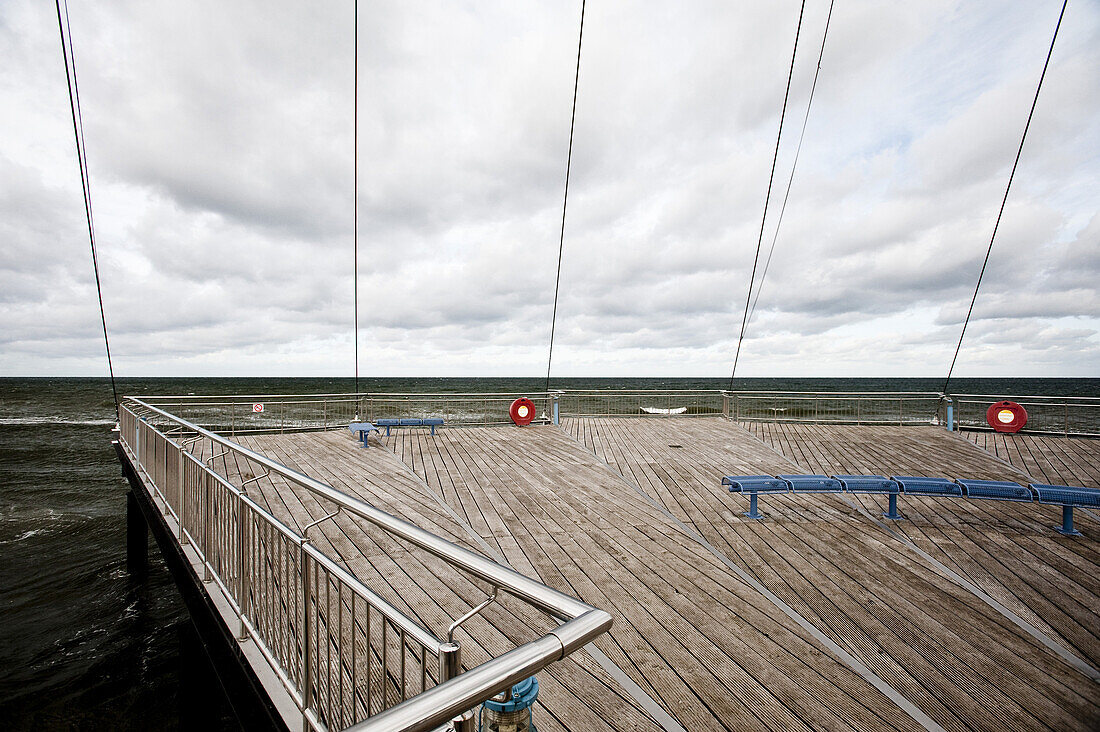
{"type": "Point", "coordinates": [219, 139]}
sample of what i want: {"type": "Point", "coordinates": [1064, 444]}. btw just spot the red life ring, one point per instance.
{"type": "Point", "coordinates": [1006, 416]}
{"type": "Point", "coordinates": [522, 411]}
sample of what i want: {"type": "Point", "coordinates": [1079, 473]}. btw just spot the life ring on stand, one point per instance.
{"type": "Point", "coordinates": [1006, 416]}
{"type": "Point", "coordinates": [522, 411]}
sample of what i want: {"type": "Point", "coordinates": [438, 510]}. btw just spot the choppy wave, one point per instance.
{"type": "Point", "coordinates": [28, 421]}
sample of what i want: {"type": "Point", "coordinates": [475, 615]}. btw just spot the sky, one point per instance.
{"type": "Point", "coordinates": [220, 150]}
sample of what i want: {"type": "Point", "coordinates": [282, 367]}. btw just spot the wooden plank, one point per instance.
{"type": "Point", "coordinates": [585, 706]}
{"type": "Point", "coordinates": [989, 543]}
{"type": "Point", "coordinates": [950, 680]}
{"type": "Point", "coordinates": [558, 504]}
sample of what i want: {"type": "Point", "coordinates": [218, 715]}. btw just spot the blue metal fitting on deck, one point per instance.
{"type": "Point", "coordinates": [521, 696]}
{"type": "Point", "coordinates": [511, 709]}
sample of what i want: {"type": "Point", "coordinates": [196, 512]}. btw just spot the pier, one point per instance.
{"type": "Point", "coordinates": [598, 550]}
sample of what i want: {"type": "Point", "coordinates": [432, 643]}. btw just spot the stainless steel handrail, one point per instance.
{"type": "Point", "coordinates": [432, 708]}
{"type": "Point", "coordinates": [346, 395]}
{"type": "Point", "coordinates": [236, 594]}
{"type": "Point", "coordinates": [583, 622]}
{"type": "Point", "coordinates": [1001, 397]}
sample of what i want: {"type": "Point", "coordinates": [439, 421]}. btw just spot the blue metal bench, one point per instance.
{"type": "Point", "coordinates": [1067, 497]}
{"type": "Point", "coordinates": [867, 483]}
{"type": "Point", "coordinates": [918, 485]}
{"type": "Point", "coordinates": [997, 490]}
{"type": "Point", "coordinates": [874, 484]}
{"type": "Point", "coordinates": [812, 483]}
{"type": "Point", "coordinates": [362, 429]}
{"type": "Point", "coordinates": [390, 423]}
{"type": "Point", "coordinates": [754, 485]}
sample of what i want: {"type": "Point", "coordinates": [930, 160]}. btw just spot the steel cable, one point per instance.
{"type": "Point", "coordinates": [65, 32]}
{"type": "Point", "coordinates": [565, 198]}
{"type": "Point", "coordinates": [794, 165]}
{"type": "Point", "coordinates": [767, 198]}
{"type": "Point", "coordinates": [355, 204]}
{"type": "Point", "coordinates": [1004, 200]}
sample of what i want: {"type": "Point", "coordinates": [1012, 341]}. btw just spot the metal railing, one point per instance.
{"type": "Point", "coordinates": [344, 654]}
{"type": "Point", "coordinates": [1045, 414]}
{"type": "Point", "coordinates": [641, 403]}
{"type": "Point", "coordinates": [870, 408]}
{"type": "Point", "coordinates": [248, 414]}
{"type": "Point", "coordinates": [285, 413]}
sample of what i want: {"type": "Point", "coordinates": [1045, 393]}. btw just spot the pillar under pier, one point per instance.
{"type": "Point", "coordinates": [137, 537]}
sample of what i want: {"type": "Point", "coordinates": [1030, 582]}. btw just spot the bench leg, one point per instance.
{"type": "Point", "coordinates": [433, 430]}
{"type": "Point", "coordinates": [892, 513]}
{"type": "Point", "coordinates": [753, 512]}
{"type": "Point", "coordinates": [1067, 523]}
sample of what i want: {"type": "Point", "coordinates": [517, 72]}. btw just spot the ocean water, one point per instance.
{"type": "Point", "coordinates": [83, 645]}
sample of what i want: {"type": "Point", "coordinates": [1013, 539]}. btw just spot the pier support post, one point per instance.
{"type": "Point", "coordinates": [753, 513]}
{"type": "Point", "coordinates": [137, 537]}
{"type": "Point", "coordinates": [892, 513]}
{"type": "Point", "coordinates": [1067, 523]}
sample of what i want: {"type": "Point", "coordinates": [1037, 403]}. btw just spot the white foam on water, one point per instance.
{"type": "Point", "coordinates": [28, 421]}
{"type": "Point", "coordinates": [660, 410]}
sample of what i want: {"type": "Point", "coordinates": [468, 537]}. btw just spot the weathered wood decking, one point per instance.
{"type": "Point", "coordinates": [819, 617]}
{"type": "Point", "coordinates": [1057, 460]}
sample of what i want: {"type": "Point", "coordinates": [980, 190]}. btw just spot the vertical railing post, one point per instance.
{"type": "Point", "coordinates": [207, 520]}
{"type": "Point", "coordinates": [307, 655]}
{"type": "Point", "coordinates": [950, 415]}
{"type": "Point", "coordinates": [450, 666]}
{"type": "Point", "coordinates": [859, 403]}
{"type": "Point", "coordinates": [180, 502]}
{"type": "Point", "coordinates": [901, 418]}
{"type": "Point", "coordinates": [554, 407]}
{"type": "Point", "coordinates": [726, 405]}
{"type": "Point", "coordinates": [242, 564]}
{"type": "Point", "coordinates": [1067, 418]}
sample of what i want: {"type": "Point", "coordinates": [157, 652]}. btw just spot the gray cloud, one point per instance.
{"type": "Point", "coordinates": [219, 142]}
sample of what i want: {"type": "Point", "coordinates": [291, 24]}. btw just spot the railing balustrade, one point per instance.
{"type": "Point", "coordinates": [286, 413]}
{"type": "Point", "coordinates": [345, 655]}
{"type": "Point", "coordinates": [1065, 416]}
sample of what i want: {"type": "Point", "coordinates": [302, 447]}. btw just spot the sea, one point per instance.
{"type": "Point", "coordinates": [86, 646]}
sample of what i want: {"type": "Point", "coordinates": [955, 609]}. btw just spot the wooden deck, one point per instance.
{"type": "Point", "coordinates": [819, 617]}
{"type": "Point", "coordinates": [1057, 460]}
